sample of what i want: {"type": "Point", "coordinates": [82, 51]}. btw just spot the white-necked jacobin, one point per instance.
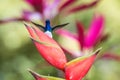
{"type": "Point", "coordinates": [48, 29]}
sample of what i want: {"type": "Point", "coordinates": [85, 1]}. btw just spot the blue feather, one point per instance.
{"type": "Point", "coordinates": [48, 26]}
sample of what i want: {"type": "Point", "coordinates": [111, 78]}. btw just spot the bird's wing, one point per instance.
{"type": "Point", "coordinates": [59, 26]}
{"type": "Point", "coordinates": [38, 25]}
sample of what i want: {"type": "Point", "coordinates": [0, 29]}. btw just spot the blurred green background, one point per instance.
{"type": "Point", "coordinates": [17, 52]}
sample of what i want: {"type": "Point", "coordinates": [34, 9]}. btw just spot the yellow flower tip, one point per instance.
{"type": "Point", "coordinates": [98, 50]}
{"type": "Point", "coordinates": [35, 75]}
{"type": "Point", "coordinates": [26, 24]}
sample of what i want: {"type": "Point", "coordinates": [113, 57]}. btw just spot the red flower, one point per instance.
{"type": "Point", "coordinates": [47, 47]}
{"type": "Point", "coordinates": [79, 67]}
{"type": "Point", "coordinates": [76, 69]}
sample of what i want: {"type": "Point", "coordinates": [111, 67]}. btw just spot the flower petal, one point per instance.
{"type": "Point", "coordinates": [11, 20]}
{"type": "Point", "coordinates": [51, 9]}
{"type": "Point", "coordinates": [95, 31]}
{"type": "Point", "coordinates": [78, 68]}
{"type": "Point", "coordinates": [64, 32]}
{"type": "Point", "coordinates": [83, 6]}
{"type": "Point", "coordinates": [48, 48]}
{"type": "Point", "coordinates": [41, 77]}
{"type": "Point", "coordinates": [30, 16]}
{"type": "Point", "coordinates": [69, 42]}
{"type": "Point", "coordinates": [111, 56]}
{"type": "Point", "coordinates": [80, 30]}
{"type": "Point", "coordinates": [36, 4]}
{"type": "Point", "coordinates": [67, 3]}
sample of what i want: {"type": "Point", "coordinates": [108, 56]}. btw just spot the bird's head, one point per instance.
{"type": "Point", "coordinates": [47, 21]}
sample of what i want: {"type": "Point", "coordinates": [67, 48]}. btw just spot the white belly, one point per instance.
{"type": "Point", "coordinates": [48, 33]}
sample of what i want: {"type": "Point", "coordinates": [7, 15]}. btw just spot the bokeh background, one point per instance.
{"type": "Point", "coordinates": [17, 52]}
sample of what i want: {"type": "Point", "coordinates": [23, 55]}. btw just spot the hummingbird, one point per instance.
{"type": "Point", "coordinates": [48, 29]}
